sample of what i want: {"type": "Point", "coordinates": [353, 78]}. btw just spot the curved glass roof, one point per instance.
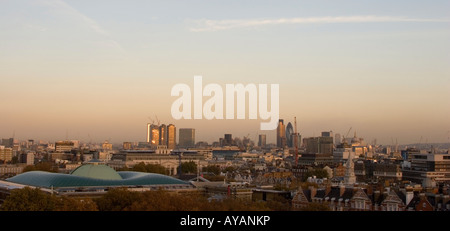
{"type": "Point", "coordinates": [96, 171]}
{"type": "Point", "coordinates": [57, 180]}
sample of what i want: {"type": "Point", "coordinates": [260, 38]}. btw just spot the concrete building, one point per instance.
{"type": "Point", "coordinates": [171, 136]}
{"type": "Point", "coordinates": [432, 167]}
{"type": "Point", "coordinates": [320, 145]}
{"type": "Point", "coordinates": [6, 154]}
{"type": "Point", "coordinates": [187, 138]}
{"type": "Point", "coordinates": [107, 146]}
{"type": "Point", "coordinates": [281, 134]}
{"type": "Point", "coordinates": [64, 146]}
{"type": "Point", "coordinates": [262, 140]}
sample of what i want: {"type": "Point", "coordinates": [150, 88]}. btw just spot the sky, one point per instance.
{"type": "Point", "coordinates": [101, 70]}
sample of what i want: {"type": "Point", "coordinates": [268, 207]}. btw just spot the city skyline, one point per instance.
{"type": "Point", "coordinates": [97, 71]}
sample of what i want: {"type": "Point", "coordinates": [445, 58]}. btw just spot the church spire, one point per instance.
{"type": "Point", "coordinates": [349, 178]}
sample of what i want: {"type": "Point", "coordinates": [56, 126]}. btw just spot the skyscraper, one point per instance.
{"type": "Point", "coordinates": [154, 134]}
{"type": "Point", "coordinates": [171, 136]}
{"type": "Point", "coordinates": [187, 137]}
{"type": "Point", "coordinates": [289, 135]}
{"type": "Point", "coordinates": [262, 141]}
{"type": "Point", "coordinates": [227, 140]}
{"type": "Point", "coordinates": [148, 132]}
{"type": "Point", "coordinates": [337, 139]}
{"type": "Point", "coordinates": [163, 134]}
{"type": "Point", "coordinates": [281, 134]}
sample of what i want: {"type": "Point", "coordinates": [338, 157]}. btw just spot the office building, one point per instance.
{"type": "Point", "coordinates": [227, 140]}
{"type": "Point", "coordinates": [64, 146]}
{"type": "Point", "coordinates": [171, 136]}
{"type": "Point", "coordinates": [107, 146]}
{"type": "Point", "coordinates": [163, 135]}
{"type": "Point", "coordinates": [321, 145]}
{"type": "Point", "coordinates": [427, 168]}
{"type": "Point", "coordinates": [290, 135]}
{"type": "Point", "coordinates": [127, 146]}
{"type": "Point", "coordinates": [154, 135]}
{"type": "Point", "coordinates": [5, 154]}
{"type": "Point", "coordinates": [262, 141]}
{"type": "Point", "coordinates": [187, 138]}
{"type": "Point", "coordinates": [327, 134]}
{"type": "Point", "coordinates": [149, 131]}
{"type": "Point", "coordinates": [337, 139]}
{"type": "Point", "coordinates": [281, 134]}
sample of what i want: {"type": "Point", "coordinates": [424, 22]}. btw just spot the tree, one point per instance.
{"type": "Point", "coordinates": [41, 166]}
{"type": "Point", "coordinates": [75, 204]}
{"type": "Point", "coordinates": [117, 199]}
{"type": "Point", "coordinates": [28, 199]}
{"type": "Point", "coordinates": [189, 167]}
{"type": "Point", "coordinates": [212, 168]}
{"type": "Point", "coordinates": [156, 168]}
{"type": "Point", "coordinates": [318, 172]}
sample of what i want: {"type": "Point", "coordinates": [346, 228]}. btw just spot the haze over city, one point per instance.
{"type": "Point", "coordinates": [98, 70]}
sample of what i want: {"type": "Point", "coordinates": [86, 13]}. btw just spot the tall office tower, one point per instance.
{"type": "Point", "coordinates": [289, 135]}
{"type": "Point", "coordinates": [327, 134]}
{"type": "Point", "coordinates": [171, 136]}
{"type": "Point", "coordinates": [127, 146]}
{"type": "Point", "coordinates": [6, 153]}
{"type": "Point", "coordinates": [148, 132]}
{"type": "Point", "coordinates": [262, 141]}
{"type": "Point", "coordinates": [281, 134]}
{"type": "Point", "coordinates": [337, 139]}
{"type": "Point", "coordinates": [163, 134]}
{"type": "Point", "coordinates": [187, 138]}
{"type": "Point", "coordinates": [154, 134]}
{"type": "Point", "coordinates": [228, 140]}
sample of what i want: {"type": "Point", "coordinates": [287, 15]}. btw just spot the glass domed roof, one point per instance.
{"type": "Point", "coordinates": [96, 171]}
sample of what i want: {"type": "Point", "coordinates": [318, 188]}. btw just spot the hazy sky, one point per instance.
{"type": "Point", "coordinates": [98, 69]}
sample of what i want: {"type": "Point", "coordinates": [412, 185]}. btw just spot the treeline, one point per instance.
{"type": "Point", "coordinates": [151, 168]}
{"type": "Point", "coordinates": [120, 199]}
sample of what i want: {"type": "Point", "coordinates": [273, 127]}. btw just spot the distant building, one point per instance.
{"type": "Point", "coordinates": [290, 135]}
{"type": "Point", "coordinates": [27, 158]}
{"type": "Point", "coordinates": [319, 145]}
{"type": "Point", "coordinates": [107, 146]}
{"type": "Point", "coordinates": [337, 139]}
{"type": "Point", "coordinates": [8, 143]}
{"type": "Point", "coordinates": [327, 134]}
{"type": "Point", "coordinates": [149, 132]}
{"type": "Point", "coordinates": [64, 146]}
{"type": "Point", "coordinates": [154, 135]}
{"type": "Point", "coordinates": [187, 138]}
{"type": "Point", "coordinates": [171, 136]}
{"type": "Point", "coordinates": [430, 166]}
{"type": "Point", "coordinates": [228, 140]}
{"type": "Point", "coordinates": [262, 140]}
{"type": "Point", "coordinates": [5, 153]}
{"type": "Point", "coordinates": [163, 134]}
{"type": "Point", "coordinates": [281, 134]}
{"type": "Point", "coordinates": [127, 146]}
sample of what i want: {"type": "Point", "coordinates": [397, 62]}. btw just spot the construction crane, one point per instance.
{"type": "Point", "coordinates": [296, 141]}
{"type": "Point", "coordinates": [346, 135]}
{"type": "Point", "coordinates": [157, 120]}
{"type": "Point", "coordinates": [151, 119]}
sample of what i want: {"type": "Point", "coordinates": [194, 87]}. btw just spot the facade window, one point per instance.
{"type": "Point", "coordinates": [392, 207]}
{"type": "Point", "coordinates": [360, 204]}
